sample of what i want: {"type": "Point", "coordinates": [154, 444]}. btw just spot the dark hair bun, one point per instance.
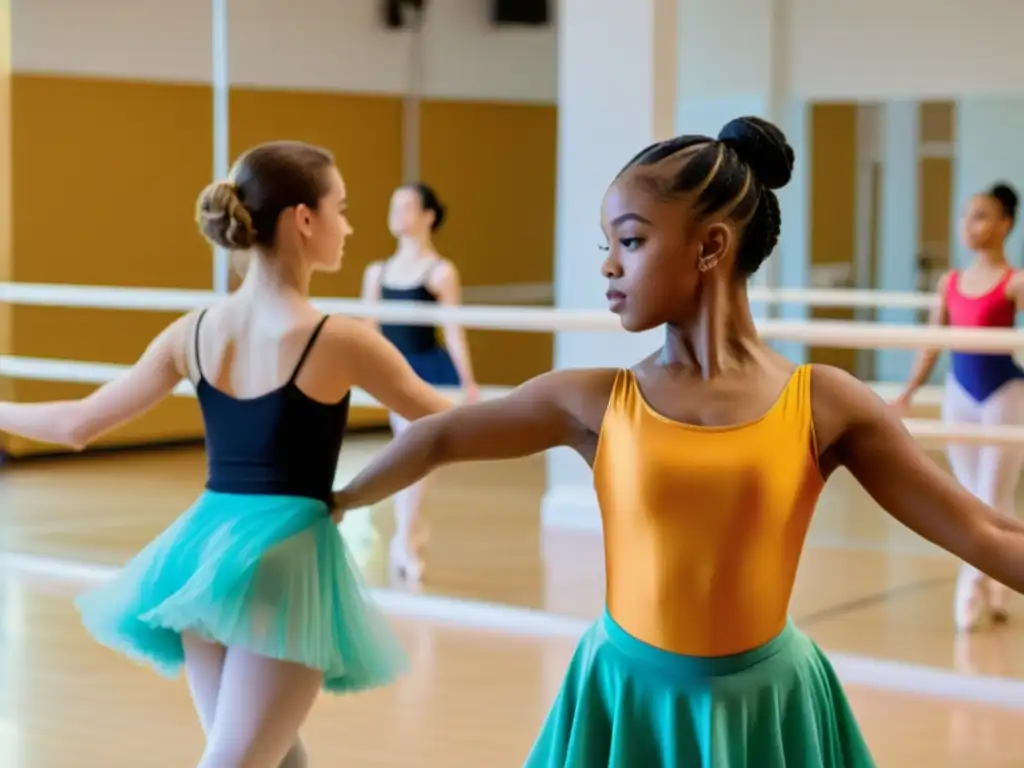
{"type": "Point", "coordinates": [222, 218]}
{"type": "Point", "coordinates": [431, 202]}
{"type": "Point", "coordinates": [1007, 197]}
{"type": "Point", "coordinates": [763, 147]}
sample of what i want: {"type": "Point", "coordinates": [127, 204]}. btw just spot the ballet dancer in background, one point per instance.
{"type": "Point", "coordinates": [252, 589]}
{"type": "Point", "coordinates": [416, 272]}
{"type": "Point", "coordinates": [709, 457]}
{"type": "Point", "coordinates": [980, 388]}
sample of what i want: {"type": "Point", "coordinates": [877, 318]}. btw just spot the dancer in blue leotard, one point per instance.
{"type": "Point", "coordinates": [252, 589]}
{"type": "Point", "coordinates": [416, 272]}
{"type": "Point", "coordinates": [981, 388]}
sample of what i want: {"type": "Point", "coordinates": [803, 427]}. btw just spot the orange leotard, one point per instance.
{"type": "Point", "coordinates": [704, 526]}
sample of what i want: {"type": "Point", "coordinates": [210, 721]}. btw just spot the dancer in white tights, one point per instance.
{"type": "Point", "coordinates": [981, 388]}
{"type": "Point", "coordinates": [252, 589]}
{"type": "Point", "coordinates": [417, 272]}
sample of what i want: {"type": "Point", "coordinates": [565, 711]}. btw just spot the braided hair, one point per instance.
{"type": "Point", "coordinates": [735, 173]}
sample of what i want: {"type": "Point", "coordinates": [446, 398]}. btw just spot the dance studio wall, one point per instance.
{"type": "Point", "coordinates": [833, 200]}
{"type": "Point", "coordinates": [833, 165]}
{"type": "Point", "coordinates": [112, 140]}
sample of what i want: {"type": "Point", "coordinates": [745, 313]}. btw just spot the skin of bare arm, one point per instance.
{"type": "Point", "coordinates": [374, 365]}
{"type": "Point", "coordinates": [77, 423]}
{"type": "Point", "coordinates": [856, 430]}
{"type": "Point", "coordinates": [560, 408]}
{"type": "Point", "coordinates": [371, 289]}
{"type": "Point", "coordinates": [445, 284]}
{"type": "Point", "coordinates": [1015, 289]}
{"type": "Point", "coordinates": [924, 364]}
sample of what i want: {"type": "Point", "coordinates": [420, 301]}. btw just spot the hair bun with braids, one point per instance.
{"type": "Point", "coordinates": [763, 147]}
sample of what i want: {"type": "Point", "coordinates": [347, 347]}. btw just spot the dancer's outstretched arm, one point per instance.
{"type": "Point", "coordinates": [76, 423]}
{"type": "Point", "coordinates": [857, 430]}
{"type": "Point", "coordinates": [371, 362]}
{"type": "Point", "coordinates": [561, 408]}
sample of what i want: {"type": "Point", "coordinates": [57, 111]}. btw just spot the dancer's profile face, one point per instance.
{"type": "Point", "coordinates": [328, 226]}
{"type": "Point", "coordinates": [655, 249]}
{"type": "Point", "coordinates": [984, 224]}
{"type": "Point", "coordinates": [406, 217]}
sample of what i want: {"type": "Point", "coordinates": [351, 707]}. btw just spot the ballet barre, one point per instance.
{"type": "Point", "coordinates": [40, 369]}
{"type": "Point", "coordinates": [834, 333]}
{"type": "Point", "coordinates": [179, 299]}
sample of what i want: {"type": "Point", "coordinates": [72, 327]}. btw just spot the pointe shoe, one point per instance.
{"type": "Point", "coordinates": [997, 610]}
{"type": "Point", "coordinates": [970, 606]}
{"type": "Point", "coordinates": [407, 565]}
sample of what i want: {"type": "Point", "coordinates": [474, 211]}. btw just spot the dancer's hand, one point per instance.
{"type": "Point", "coordinates": [471, 393]}
{"type": "Point", "coordinates": [902, 404]}
{"type": "Point", "coordinates": [339, 507]}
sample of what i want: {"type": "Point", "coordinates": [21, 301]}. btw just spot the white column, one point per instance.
{"type": "Point", "coordinates": [611, 105]}
{"type": "Point", "coordinates": [221, 78]}
{"type": "Point", "coordinates": [749, 77]}
{"type": "Point", "coordinates": [988, 139]}
{"type": "Point", "coordinates": [899, 225]}
{"type": "Point", "coordinates": [702, 72]}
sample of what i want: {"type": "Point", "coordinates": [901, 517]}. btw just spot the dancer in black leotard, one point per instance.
{"type": "Point", "coordinates": [416, 272]}
{"type": "Point", "coordinates": [251, 589]}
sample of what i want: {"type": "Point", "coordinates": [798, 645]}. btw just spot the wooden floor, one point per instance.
{"type": "Point", "coordinates": [868, 592]}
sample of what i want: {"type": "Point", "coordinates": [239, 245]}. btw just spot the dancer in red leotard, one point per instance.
{"type": "Point", "coordinates": [981, 388]}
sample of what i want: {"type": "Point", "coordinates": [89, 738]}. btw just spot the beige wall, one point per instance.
{"type": "Point", "coordinates": [104, 195]}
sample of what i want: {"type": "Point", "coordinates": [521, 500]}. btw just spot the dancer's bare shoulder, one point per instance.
{"type": "Point", "coordinates": [857, 430]}
{"type": "Point", "coordinates": [580, 393]}
{"type": "Point", "coordinates": [851, 421]}
{"type": "Point", "coordinates": [359, 356]}
{"type": "Point", "coordinates": [562, 408]}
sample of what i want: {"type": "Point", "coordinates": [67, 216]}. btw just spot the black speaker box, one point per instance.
{"type": "Point", "coordinates": [533, 12]}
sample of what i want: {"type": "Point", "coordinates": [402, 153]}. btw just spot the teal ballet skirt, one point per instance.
{"type": "Point", "coordinates": [627, 704]}
{"type": "Point", "coordinates": [270, 574]}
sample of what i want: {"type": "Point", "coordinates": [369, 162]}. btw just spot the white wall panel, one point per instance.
{"type": "Point", "coordinates": [139, 39]}
{"type": "Point", "coordinates": [904, 48]}
{"type": "Point", "coordinates": [316, 44]}
{"type": "Point", "coordinates": [834, 49]}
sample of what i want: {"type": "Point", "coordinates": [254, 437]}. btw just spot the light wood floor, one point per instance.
{"type": "Point", "coordinates": [471, 699]}
{"type": "Point", "coordinates": [866, 587]}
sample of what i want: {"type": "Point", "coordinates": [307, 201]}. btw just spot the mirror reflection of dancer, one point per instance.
{"type": "Point", "coordinates": [252, 589]}
{"type": "Point", "coordinates": [709, 457]}
{"type": "Point", "coordinates": [980, 388]}
{"type": "Point", "coordinates": [417, 272]}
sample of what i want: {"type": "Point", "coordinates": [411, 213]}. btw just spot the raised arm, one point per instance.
{"type": "Point", "coordinates": [857, 430]}
{"type": "Point", "coordinates": [561, 408]}
{"type": "Point", "coordinates": [76, 423]}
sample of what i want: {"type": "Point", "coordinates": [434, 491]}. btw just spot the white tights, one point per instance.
{"type": "Point", "coordinates": [990, 472]}
{"type": "Point", "coordinates": [250, 707]}
{"type": "Point", "coordinates": [409, 529]}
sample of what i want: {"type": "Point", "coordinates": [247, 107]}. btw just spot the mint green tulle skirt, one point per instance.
{"type": "Point", "coordinates": [270, 574]}
{"type": "Point", "coordinates": [626, 704]}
